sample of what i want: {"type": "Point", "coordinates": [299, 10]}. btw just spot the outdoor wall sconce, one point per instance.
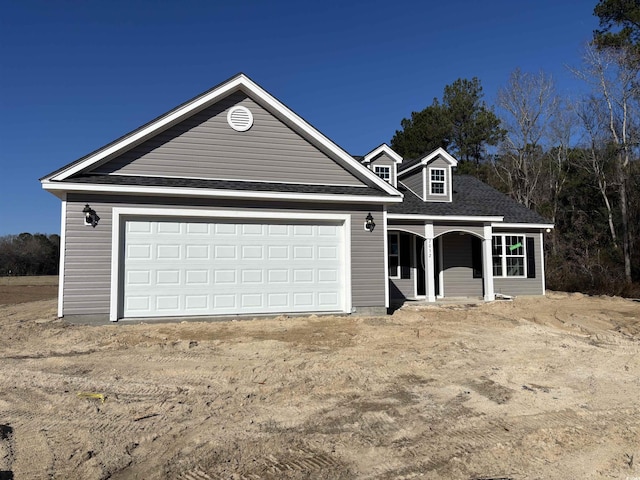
{"type": "Point", "coordinates": [369, 224]}
{"type": "Point", "coordinates": [90, 216]}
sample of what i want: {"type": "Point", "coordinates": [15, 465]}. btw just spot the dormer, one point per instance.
{"type": "Point", "coordinates": [430, 176]}
{"type": "Point", "coordinates": [383, 161]}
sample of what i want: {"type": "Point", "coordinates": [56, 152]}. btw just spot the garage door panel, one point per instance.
{"type": "Point", "coordinates": [210, 268]}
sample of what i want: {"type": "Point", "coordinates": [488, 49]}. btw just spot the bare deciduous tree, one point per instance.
{"type": "Point", "coordinates": [613, 75]}
{"type": "Point", "coordinates": [528, 104]}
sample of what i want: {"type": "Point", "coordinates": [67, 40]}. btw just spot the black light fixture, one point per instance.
{"type": "Point", "coordinates": [370, 224]}
{"type": "Point", "coordinates": [90, 216]}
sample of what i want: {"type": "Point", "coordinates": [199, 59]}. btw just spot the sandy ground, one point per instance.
{"type": "Point", "coordinates": [545, 388]}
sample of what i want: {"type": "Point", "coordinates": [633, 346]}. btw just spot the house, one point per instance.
{"type": "Point", "coordinates": [232, 204]}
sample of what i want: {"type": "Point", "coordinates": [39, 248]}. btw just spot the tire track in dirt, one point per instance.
{"type": "Point", "coordinates": [33, 456]}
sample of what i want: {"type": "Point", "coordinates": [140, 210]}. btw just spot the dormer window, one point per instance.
{"type": "Point", "coordinates": [437, 181]}
{"type": "Point", "coordinates": [384, 172]}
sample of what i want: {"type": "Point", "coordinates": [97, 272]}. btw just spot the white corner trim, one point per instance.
{"type": "Point", "coordinates": [446, 218]}
{"type": "Point", "coordinates": [203, 192]}
{"type": "Point", "coordinates": [524, 225]}
{"type": "Point", "coordinates": [386, 257]}
{"type": "Point", "coordinates": [348, 303]}
{"type": "Point", "coordinates": [240, 81]}
{"type": "Point", "coordinates": [120, 214]}
{"type": "Point", "coordinates": [544, 281]}
{"type": "Point", "coordinates": [63, 248]}
{"type": "Point", "coordinates": [384, 148]}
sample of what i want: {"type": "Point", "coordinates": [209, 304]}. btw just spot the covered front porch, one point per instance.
{"type": "Point", "coordinates": [434, 261]}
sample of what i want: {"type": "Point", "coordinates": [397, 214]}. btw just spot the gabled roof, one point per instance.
{"type": "Point", "coordinates": [239, 82]}
{"type": "Point", "coordinates": [439, 152]}
{"type": "Point", "coordinates": [471, 198]}
{"type": "Point", "coordinates": [384, 148]}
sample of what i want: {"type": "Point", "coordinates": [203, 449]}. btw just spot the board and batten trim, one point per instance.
{"type": "Point", "coordinates": [116, 237]}
{"type": "Point", "coordinates": [63, 247]}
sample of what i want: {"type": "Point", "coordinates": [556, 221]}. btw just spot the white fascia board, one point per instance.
{"type": "Point", "coordinates": [523, 225]}
{"type": "Point", "coordinates": [200, 192]}
{"type": "Point", "coordinates": [241, 81]}
{"type": "Point", "coordinates": [382, 148]}
{"type": "Point", "coordinates": [445, 218]}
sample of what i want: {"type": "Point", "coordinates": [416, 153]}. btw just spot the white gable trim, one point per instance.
{"type": "Point", "coordinates": [439, 152]}
{"type": "Point", "coordinates": [240, 82]}
{"type": "Point", "coordinates": [384, 148]}
{"type": "Point", "coordinates": [205, 192]}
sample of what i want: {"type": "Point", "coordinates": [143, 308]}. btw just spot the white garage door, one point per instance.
{"type": "Point", "coordinates": [176, 268]}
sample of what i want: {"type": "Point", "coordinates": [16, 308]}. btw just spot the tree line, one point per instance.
{"type": "Point", "coordinates": [28, 254]}
{"type": "Point", "coordinates": [576, 161]}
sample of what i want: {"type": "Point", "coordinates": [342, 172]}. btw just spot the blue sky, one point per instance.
{"type": "Point", "coordinates": [75, 75]}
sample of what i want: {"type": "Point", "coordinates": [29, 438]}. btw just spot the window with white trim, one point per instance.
{"type": "Point", "coordinates": [384, 172]}
{"type": "Point", "coordinates": [509, 258]}
{"type": "Point", "coordinates": [437, 178]}
{"type": "Point", "coordinates": [393, 240]}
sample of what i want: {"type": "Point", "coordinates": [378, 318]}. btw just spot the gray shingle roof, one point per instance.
{"type": "Point", "coordinates": [225, 185]}
{"type": "Point", "coordinates": [471, 197]}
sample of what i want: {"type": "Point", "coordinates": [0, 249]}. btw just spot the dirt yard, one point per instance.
{"type": "Point", "coordinates": [545, 388]}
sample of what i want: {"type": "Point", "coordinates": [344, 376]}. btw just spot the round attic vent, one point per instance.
{"type": "Point", "coordinates": [240, 118]}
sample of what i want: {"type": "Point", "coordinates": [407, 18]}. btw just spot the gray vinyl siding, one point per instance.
{"type": "Point", "coordinates": [457, 266]}
{"type": "Point", "coordinates": [205, 146]}
{"type": "Point", "coordinates": [522, 286]}
{"type": "Point", "coordinates": [414, 182]}
{"type": "Point", "coordinates": [87, 273]}
{"type": "Point", "coordinates": [402, 287]}
{"type": "Point", "coordinates": [439, 163]}
{"type": "Point", "coordinates": [384, 160]}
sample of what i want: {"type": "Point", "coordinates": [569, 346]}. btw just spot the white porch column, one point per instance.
{"type": "Point", "coordinates": [487, 263]}
{"type": "Point", "coordinates": [429, 269]}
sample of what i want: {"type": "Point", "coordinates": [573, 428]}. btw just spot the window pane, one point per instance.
{"type": "Point", "coordinates": [437, 188]}
{"type": "Point", "coordinates": [515, 267]}
{"type": "Point", "coordinates": [383, 172]}
{"type": "Point", "coordinates": [514, 245]}
{"type": "Point", "coordinates": [496, 246]}
{"type": "Point", "coordinates": [393, 245]}
{"type": "Point", "coordinates": [393, 265]}
{"type": "Point", "coordinates": [497, 267]}
{"type": "Point", "coordinates": [437, 175]}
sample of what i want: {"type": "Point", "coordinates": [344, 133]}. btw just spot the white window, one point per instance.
{"type": "Point", "coordinates": [394, 254]}
{"type": "Point", "coordinates": [437, 181]}
{"type": "Point", "coordinates": [508, 252]}
{"type": "Point", "coordinates": [383, 172]}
